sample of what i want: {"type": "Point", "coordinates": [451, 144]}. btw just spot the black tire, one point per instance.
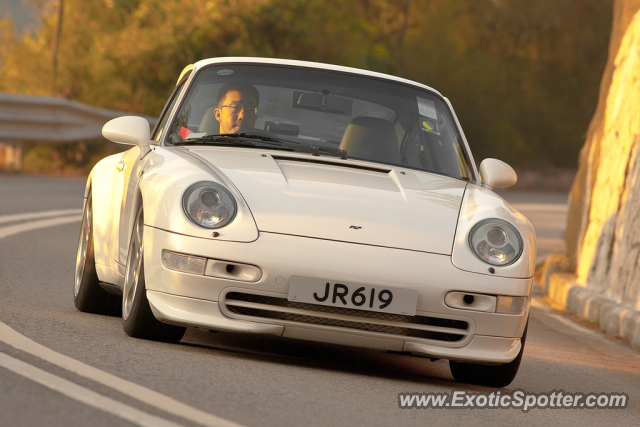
{"type": "Point", "coordinates": [88, 296]}
{"type": "Point", "coordinates": [137, 318]}
{"type": "Point", "coordinates": [489, 375]}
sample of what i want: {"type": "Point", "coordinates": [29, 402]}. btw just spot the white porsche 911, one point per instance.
{"type": "Point", "coordinates": [309, 201]}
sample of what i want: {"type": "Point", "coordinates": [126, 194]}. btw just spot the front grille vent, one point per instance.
{"type": "Point", "coordinates": [280, 309]}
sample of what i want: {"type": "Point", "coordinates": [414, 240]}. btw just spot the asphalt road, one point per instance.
{"type": "Point", "coordinates": [61, 367]}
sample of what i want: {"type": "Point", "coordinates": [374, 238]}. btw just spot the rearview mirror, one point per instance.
{"type": "Point", "coordinates": [496, 173]}
{"type": "Point", "coordinates": [129, 130]}
{"type": "Point", "coordinates": [323, 102]}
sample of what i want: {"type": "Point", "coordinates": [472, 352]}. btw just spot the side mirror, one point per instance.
{"type": "Point", "coordinates": [129, 130]}
{"type": "Point", "coordinates": [496, 173]}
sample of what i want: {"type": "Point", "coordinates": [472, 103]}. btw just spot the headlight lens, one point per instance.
{"type": "Point", "coordinates": [496, 242]}
{"type": "Point", "coordinates": [209, 204]}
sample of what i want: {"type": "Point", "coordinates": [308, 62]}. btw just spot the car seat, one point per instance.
{"type": "Point", "coordinates": [371, 138]}
{"type": "Point", "coordinates": [209, 123]}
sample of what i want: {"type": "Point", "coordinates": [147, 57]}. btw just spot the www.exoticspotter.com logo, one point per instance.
{"type": "Point", "coordinates": [518, 399]}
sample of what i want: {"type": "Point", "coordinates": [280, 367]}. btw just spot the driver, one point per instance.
{"type": "Point", "coordinates": [237, 107]}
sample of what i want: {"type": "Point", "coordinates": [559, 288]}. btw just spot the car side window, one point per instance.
{"type": "Point", "coordinates": [159, 131]}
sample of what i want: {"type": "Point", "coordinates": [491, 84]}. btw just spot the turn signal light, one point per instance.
{"type": "Point", "coordinates": [184, 263]}
{"type": "Point", "coordinates": [210, 267]}
{"type": "Point", "coordinates": [510, 305]}
{"type": "Point", "coordinates": [487, 303]}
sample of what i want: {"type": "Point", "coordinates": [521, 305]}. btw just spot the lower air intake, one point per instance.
{"type": "Point", "coordinates": [261, 306]}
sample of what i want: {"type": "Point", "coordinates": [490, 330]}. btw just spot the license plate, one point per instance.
{"type": "Point", "coordinates": [353, 295]}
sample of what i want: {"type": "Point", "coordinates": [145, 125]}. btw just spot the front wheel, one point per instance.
{"type": "Point", "coordinates": [489, 375]}
{"type": "Point", "coordinates": [137, 318]}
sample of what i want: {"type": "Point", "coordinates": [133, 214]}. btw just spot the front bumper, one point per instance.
{"type": "Point", "coordinates": [201, 301]}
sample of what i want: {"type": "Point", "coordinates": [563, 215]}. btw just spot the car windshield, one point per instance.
{"type": "Point", "coordinates": [370, 118]}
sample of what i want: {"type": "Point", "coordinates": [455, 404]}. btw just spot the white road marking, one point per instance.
{"type": "Point", "coordinates": [83, 394]}
{"type": "Point", "coordinates": [540, 207]}
{"type": "Point", "coordinates": [572, 325]}
{"type": "Point", "coordinates": [143, 394]}
{"type": "Point", "coordinates": [34, 225]}
{"type": "Point", "coordinates": [38, 215]}
{"type": "Point", "coordinates": [549, 312]}
{"type": "Point", "coordinates": [535, 302]}
{"type": "Point", "coordinates": [140, 393]}
{"type": "Point", "coordinates": [597, 336]}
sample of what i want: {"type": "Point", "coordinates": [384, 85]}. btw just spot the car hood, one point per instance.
{"type": "Point", "coordinates": [340, 200]}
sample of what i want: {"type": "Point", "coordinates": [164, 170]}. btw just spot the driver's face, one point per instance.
{"type": "Point", "coordinates": [236, 112]}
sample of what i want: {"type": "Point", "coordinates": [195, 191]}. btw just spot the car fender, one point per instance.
{"type": "Point", "coordinates": [101, 181]}
{"type": "Point", "coordinates": [168, 172]}
{"type": "Point", "coordinates": [481, 203]}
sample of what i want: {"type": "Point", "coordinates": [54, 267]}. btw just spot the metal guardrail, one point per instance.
{"type": "Point", "coordinates": [28, 118]}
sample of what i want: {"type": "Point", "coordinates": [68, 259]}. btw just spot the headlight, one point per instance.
{"type": "Point", "coordinates": [209, 204]}
{"type": "Point", "coordinates": [495, 242]}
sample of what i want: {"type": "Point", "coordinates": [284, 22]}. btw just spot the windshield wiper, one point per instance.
{"type": "Point", "coordinates": [314, 149]}
{"type": "Point", "coordinates": [249, 140]}
{"type": "Point", "coordinates": [218, 139]}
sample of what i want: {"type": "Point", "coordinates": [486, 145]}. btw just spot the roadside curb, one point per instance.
{"type": "Point", "coordinates": [563, 289]}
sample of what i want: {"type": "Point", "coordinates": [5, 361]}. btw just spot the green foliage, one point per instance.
{"type": "Point", "coordinates": [66, 159]}
{"type": "Point", "coordinates": [522, 75]}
